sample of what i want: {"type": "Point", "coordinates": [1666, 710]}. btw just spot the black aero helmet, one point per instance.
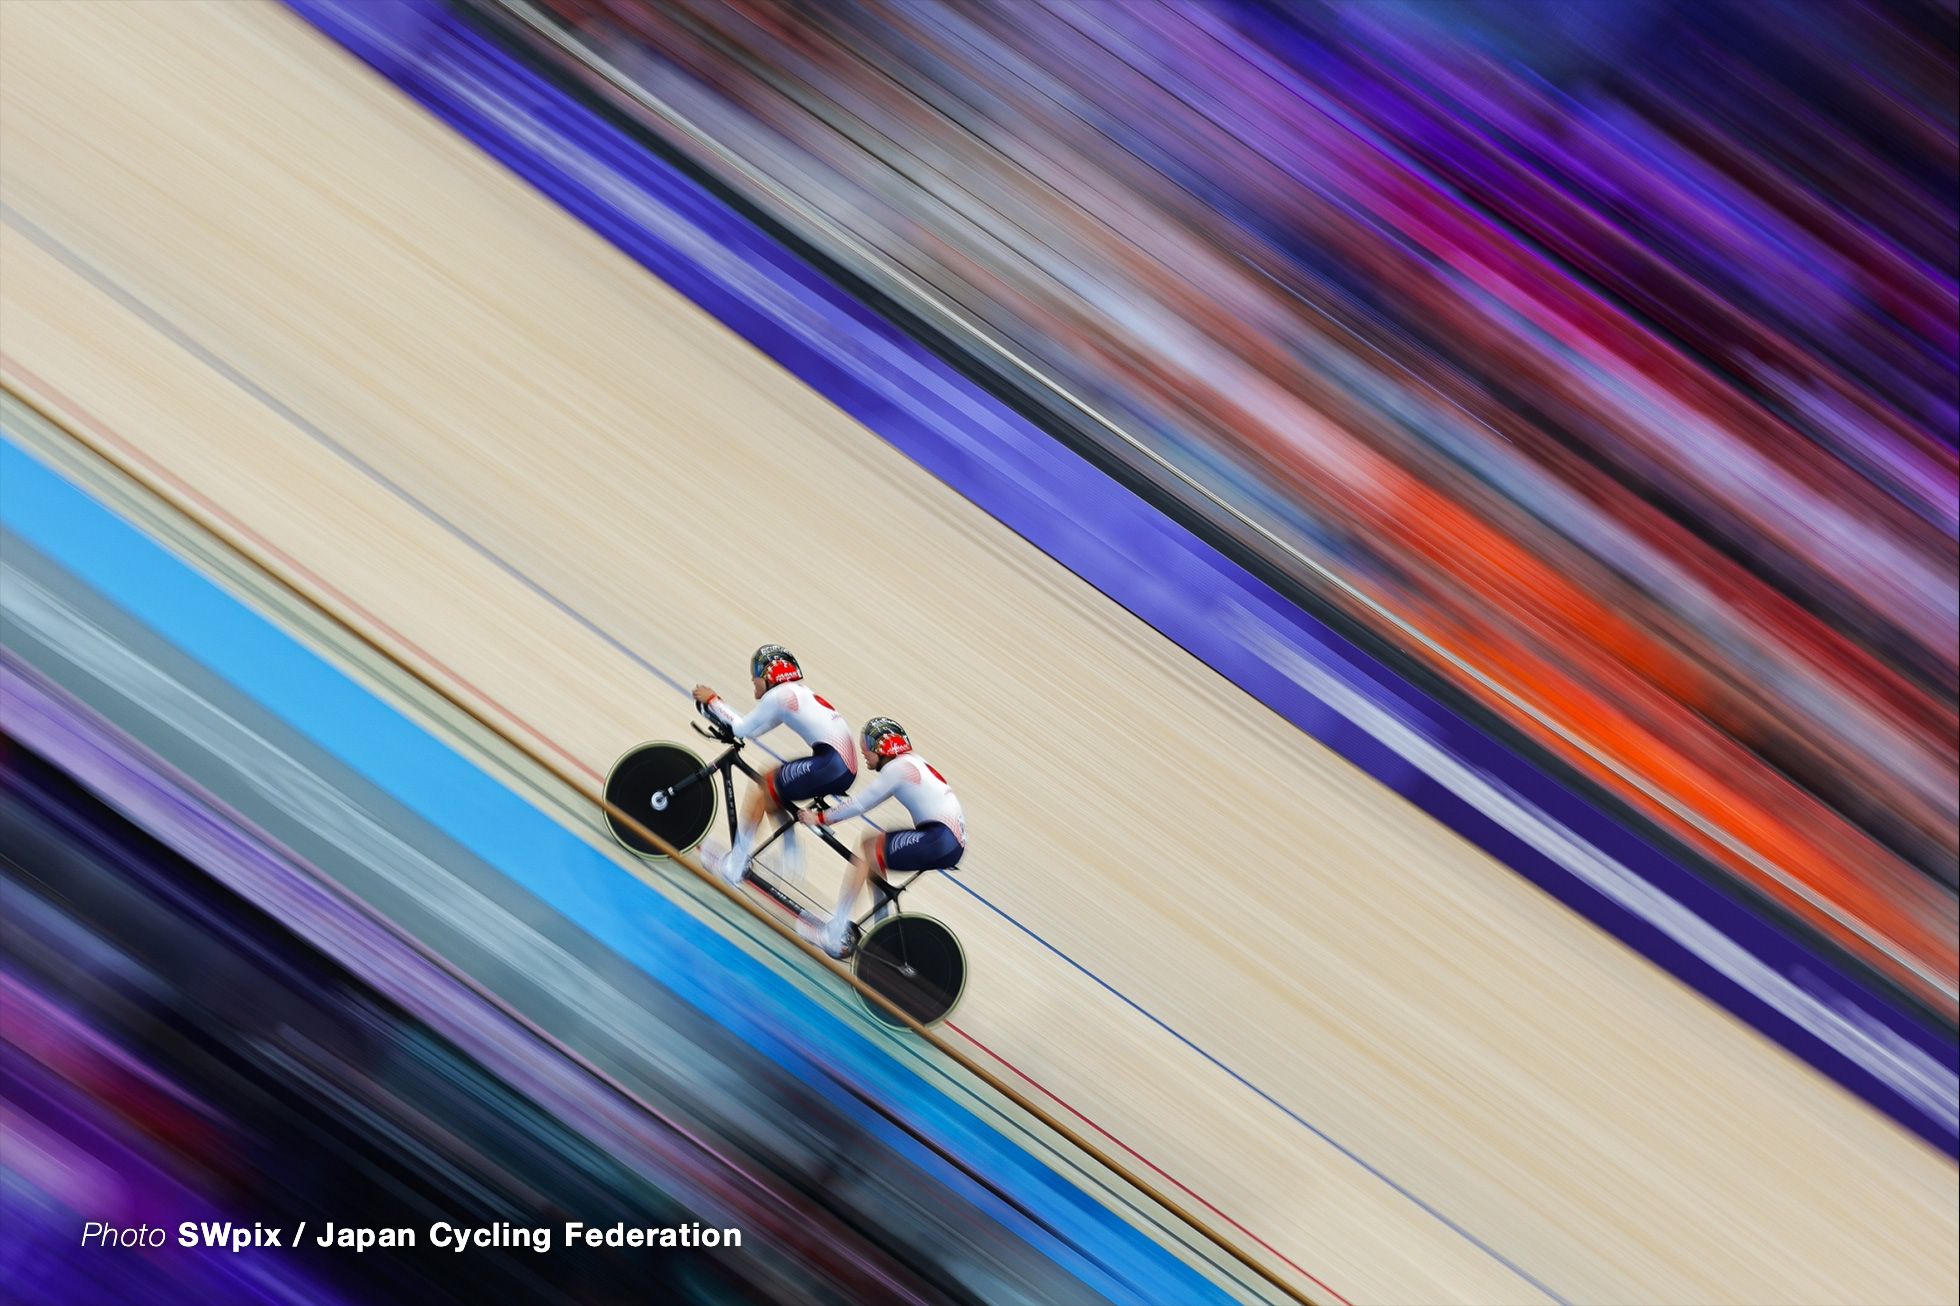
{"type": "Point", "coordinates": [885, 738]}
{"type": "Point", "coordinates": [774, 664]}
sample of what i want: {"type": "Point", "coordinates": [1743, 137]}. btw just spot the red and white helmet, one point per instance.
{"type": "Point", "coordinates": [774, 664]}
{"type": "Point", "coordinates": [885, 739]}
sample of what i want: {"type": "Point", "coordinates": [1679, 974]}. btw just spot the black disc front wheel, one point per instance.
{"type": "Point", "coordinates": [639, 786]}
{"type": "Point", "coordinates": [916, 963]}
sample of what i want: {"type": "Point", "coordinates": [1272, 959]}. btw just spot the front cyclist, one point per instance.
{"type": "Point", "coordinates": [782, 700]}
{"type": "Point", "coordinates": [935, 842]}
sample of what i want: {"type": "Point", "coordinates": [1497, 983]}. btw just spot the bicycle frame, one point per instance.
{"type": "Point", "coordinates": [883, 893]}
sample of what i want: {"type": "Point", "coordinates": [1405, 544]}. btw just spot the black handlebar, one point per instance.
{"type": "Point", "coordinates": [717, 728]}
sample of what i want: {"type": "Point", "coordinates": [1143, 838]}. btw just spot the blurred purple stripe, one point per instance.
{"type": "Point", "coordinates": [1575, 337]}
{"type": "Point", "coordinates": [1155, 567]}
{"type": "Point", "coordinates": [303, 899]}
{"type": "Point", "coordinates": [58, 1142]}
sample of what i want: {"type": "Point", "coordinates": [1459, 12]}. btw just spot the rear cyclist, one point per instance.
{"type": "Point", "coordinates": [935, 842]}
{"type": "Point", "coordinates": [781, 700]}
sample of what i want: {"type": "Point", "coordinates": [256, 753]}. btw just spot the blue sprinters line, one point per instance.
{"type": "Point", "coordinates": [643, 925]}
{"type": "Point", "coordinates": [169, 328]}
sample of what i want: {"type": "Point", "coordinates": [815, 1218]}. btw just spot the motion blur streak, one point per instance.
{"type": "Point", "coordinates": [1155, 568]}
{"type": "Point", "coordinates": [177, 1055]}
{"type": "Point", "coordinates": [304, 292]}
{"type": "Point", "coordinates": [654, 1039]}
{"type": "Point", "coordinates": [1607, 350]}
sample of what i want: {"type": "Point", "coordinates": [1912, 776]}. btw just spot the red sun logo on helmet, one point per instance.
{"type": "Point", "coordinates": [885, 739]}
{"type": "Point", "coordinates": [774, 664]}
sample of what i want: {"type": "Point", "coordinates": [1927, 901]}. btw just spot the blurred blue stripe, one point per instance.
{"type": "Point", "coordinates": [1156, 568]}
{"type": "Point", "coordinates": [639, 923]}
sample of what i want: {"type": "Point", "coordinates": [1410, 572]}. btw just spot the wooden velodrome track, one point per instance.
{"type": "Point", "coordinates": [1544, 1098]}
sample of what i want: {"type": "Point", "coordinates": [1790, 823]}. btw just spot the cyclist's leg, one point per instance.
{"type": "Point", "coordinates": [824, 773]}
{"type": "Point", "coordinates": [759, 801]}
{"type": "Point", "coordinates": [931, 847]}
{"type": "Point", "coordinates": [869, 861]}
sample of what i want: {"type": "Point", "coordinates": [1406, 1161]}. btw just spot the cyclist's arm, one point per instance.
{"type": "Point", "coordinates": [767, 716]}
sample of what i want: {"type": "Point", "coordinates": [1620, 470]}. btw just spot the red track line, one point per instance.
{"type": "Point", "coordinates": [1168, 1177]}
{"type": "Point", "coordinates": [83, 417]}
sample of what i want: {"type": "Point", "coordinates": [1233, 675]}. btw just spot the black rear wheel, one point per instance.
{"type": "Point", "coordinates": [915, 962]}
{"type": "Point", "coordinates": [638, 786]}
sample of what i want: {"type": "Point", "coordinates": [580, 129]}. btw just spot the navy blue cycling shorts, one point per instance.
{"type": "Point", "coordinates": [931, 847]}
{"type": "Point", "coordinates": [823, 774]}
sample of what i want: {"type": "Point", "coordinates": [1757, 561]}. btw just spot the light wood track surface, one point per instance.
{"type": "Point", "coordinates": [1571, 1106]}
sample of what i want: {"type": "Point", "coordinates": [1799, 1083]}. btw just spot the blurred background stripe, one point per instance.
{"type": "Point", "coordinates": [1604, 355]}
{"type": "Point", "coordinates": [445, 407]}
{"type": "Point", "coordinates": [510, 896]}
{"type": "Point", "coordinates": [1131, 552]}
